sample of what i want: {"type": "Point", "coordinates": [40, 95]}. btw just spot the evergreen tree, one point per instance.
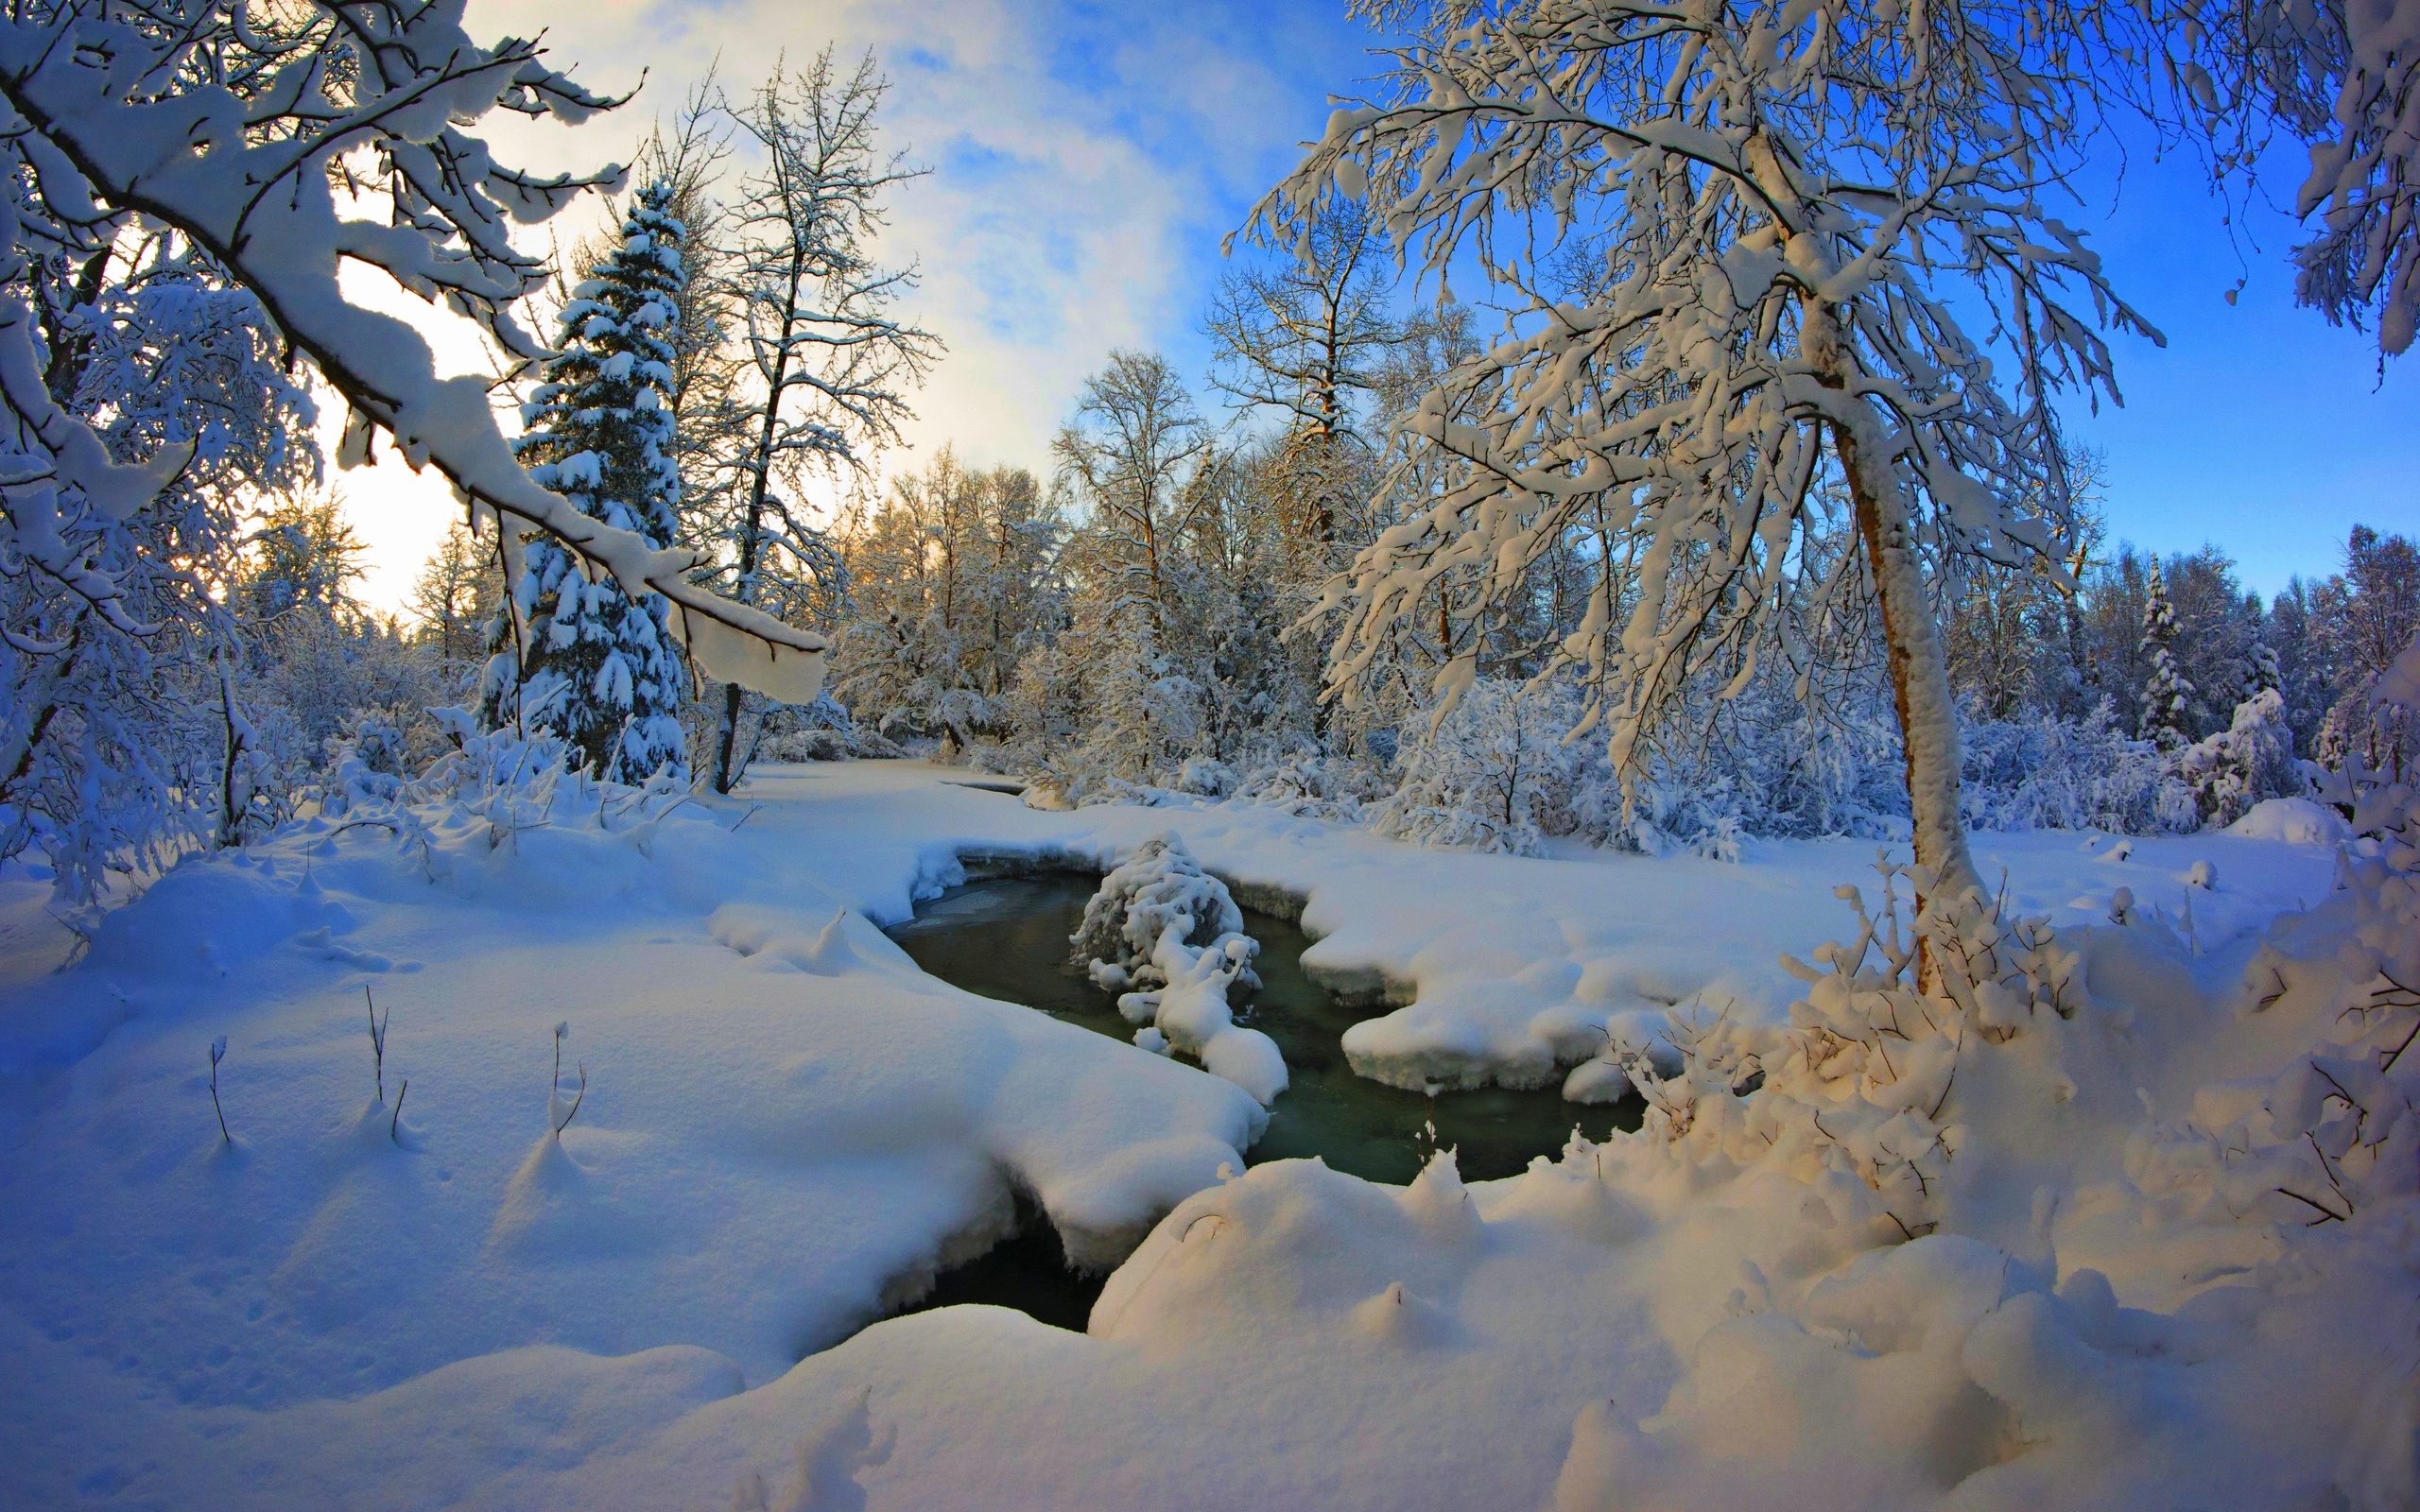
{"type": "Point", "coordinates": [599, 669]}
{"type": "Point", "coordinates": [2166, 694]}
{"type": "Point", "coordinates": [2266, 675]}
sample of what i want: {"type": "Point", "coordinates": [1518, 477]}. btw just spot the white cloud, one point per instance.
{"type": "Point", "coordinates": [1085, 166]}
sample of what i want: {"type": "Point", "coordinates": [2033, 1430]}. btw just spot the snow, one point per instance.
{"type": "Point", "coordinates": [787, 1128]}
{"type": "Point", "coordinates": [2296, 820]}
{"type": "Point", "coordinates": [1161, 924]}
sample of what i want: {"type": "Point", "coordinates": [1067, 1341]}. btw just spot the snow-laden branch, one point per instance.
{"type": "Point", "coordinates": [190, 112]}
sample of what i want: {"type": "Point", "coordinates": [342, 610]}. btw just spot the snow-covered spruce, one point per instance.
{"type": "Point", "coordinates": [1172, 932]}
{"type": "Point", "coordinates": [2166, 694]}
{"type": "Point", "coordinates": [581, 656]}
{"type": "Point", "coordinates": [2247, 763]}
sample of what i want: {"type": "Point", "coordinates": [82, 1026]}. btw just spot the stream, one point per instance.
{"type": "Point", "coordinates": [1008, 939]}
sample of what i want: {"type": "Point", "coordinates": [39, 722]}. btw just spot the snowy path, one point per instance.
{"type": "Point", "coordinates": [784, 1118]}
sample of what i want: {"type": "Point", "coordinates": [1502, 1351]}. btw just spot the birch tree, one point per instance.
{"type": "Point", "coordinates": [1727, 235]}
{"type": "Point", "coordinates": [828, 364]}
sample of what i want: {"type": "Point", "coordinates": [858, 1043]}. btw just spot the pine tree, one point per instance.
{"type": "Point", "coordinates": [599, 669]}
{"type": "Point", "coordinates": [2263, 672]}
{"type": "Point", "coordinates": [2166, 694]}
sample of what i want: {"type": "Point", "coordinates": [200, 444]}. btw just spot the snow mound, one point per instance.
{"type": "Point", "coordinates": [2294, 820]}
{"type": "Point", "coordinates": [1169, 929]}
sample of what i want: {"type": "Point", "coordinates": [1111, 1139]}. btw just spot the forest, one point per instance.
{"type": "Point", "coordinates": [1585, 870]}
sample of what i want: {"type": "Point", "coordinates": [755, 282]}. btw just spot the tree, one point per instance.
{"type": "Point", "coordinates": [303, 557]}
{"type": "Point", "coordinates": [952, 581]}
{"type": "Point", "coordinates": [576, 655]}
{"type": "Point", "coordinates": [459, 590]}
{"type": "Point", "coordinates": [1308, 337]}
{"type": "Point", "coordinates": [1132, 459]}
{"type": "Point", "coordinates": [149, 407]}
{"type": "Point", "coordinates": [234, 128]}
{"type": "Point", "coordinates": [1135, 443]}
{"type": "Point", "coordinates": [1767, 204]}
{"type": "Point", "coordinates": [2166, 694]}
{"type": "Point", "coordinates": [827, 363]}
{"type": "Point", "coordinates": [2364, 618]}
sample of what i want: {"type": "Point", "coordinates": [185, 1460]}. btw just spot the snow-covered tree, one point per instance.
{"type": "Point", "coordinates": [144, 407]}
{"type": "Point", "coordinates": [1729, 235]}
{"type": "Point", "coordinates": [2263, 672]}
{"type": "Point", "coordinates": [828, 364]}
{"type": "Point", "coordinates": [952, 581]}
{"type": "Point", "coordinates": [1483, 776]}
{"type": "Point", "coordinates": [1307, 338]}
{"type": "Point", "coordinates": [259, 137]}
{"type": "Point", "coordinates": [2365, 616]}
{"type": "Point", "coordinates": [2252, 759]}
{"type": "Point", "coordinates": [2166, 694]}
{"type": "Point", "coordinates": [459, 592]}
{"type": "Point", "coordinates": [578, 655]}
{"type": "Point", "coordinates": [1132, 459]}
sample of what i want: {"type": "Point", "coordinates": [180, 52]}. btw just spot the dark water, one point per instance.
{"type": "Point", "coordinates": [1009, 940]}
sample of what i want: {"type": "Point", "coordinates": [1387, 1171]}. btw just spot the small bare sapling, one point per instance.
{"type": "Point", "coordinates": [378, 1041]}
{"type": "Point", "coordinates": [218, 1054]}
{"type": "Point", "coordinates": [558, 1115]}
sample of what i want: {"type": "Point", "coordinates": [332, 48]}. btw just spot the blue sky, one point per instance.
{"type": "Point", "coordinates": [1089, 155]}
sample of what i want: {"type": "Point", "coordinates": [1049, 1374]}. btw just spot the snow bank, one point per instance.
{"type": "Point", "coordinates": [1162, 925]}
{"type": "Point", "coordinates": [786, 1128]}
{"type": "Point", "coordinates": [2294, 820]}
{"type": "Point", "coordinates": [2060, 1245]}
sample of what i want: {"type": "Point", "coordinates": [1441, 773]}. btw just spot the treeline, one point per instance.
{"type": "Point", "coordinates": [1148, 621]}
{"type": "Point", "coordinates": [1243, 592]}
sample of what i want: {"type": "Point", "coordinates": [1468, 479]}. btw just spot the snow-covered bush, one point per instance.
{"type": "Point", "coordinates": [1493, 774]}
{"type": "Point", "coordinates": [2045, 773]}
{"type": "Point", "coordinates": [1170, 935]}
{"type": "Point", "coordinates": [1858, 1094]}
{"type": "Point", "coordinates": [820, 731]}
{"type": "Point", "coordinates": [2251, 761]}
{"type": "Point", "coordinates": [1311, 786]}
{"type": "Point", "coordinates": [1160, 887]}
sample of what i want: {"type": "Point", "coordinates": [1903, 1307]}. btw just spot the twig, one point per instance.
{"type": "Point", "coordinates": [395, 1123]}
{"type": "Point", "coordinates": [377, 1039]}
{"type": "Point", "coordinates": [2325, 1214]}
{"type": "Point", "coordinates": [575, 1104]}
{"type": "Point", "coordinates": [744, 819]}
{"type": "Point", "coordinates": [219, 1053]}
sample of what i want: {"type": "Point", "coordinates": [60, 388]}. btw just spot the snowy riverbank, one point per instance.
{"type": "Point", "coordinates": [786, 1127]}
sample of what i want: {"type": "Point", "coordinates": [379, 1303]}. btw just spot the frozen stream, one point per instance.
{"type": "Point", "coordinates": [1008, 939]}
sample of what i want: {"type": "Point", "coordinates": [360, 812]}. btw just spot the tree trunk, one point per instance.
{"type": "Point", "coordinates": [727, 738]}
{"type": "Point", "coordinates": [1911, 641]}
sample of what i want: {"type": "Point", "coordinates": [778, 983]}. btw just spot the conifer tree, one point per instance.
{"type": "Point", "coordinates": [2166, 694]}
{"type": "Point", "coordinates": [2263, 673]}
{"type": "Point", "coordinates": [588, 662]}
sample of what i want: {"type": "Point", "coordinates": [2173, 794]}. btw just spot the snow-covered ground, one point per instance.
{"type": "Point", "coordinates": [786, 1128]}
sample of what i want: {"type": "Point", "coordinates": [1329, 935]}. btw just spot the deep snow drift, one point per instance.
{"type": "Point", "coordinates": [2111, 1297]}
